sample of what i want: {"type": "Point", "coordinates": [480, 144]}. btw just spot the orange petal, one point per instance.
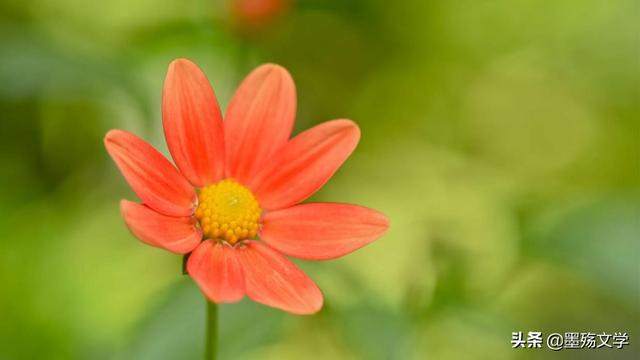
{"type": "Point", "coordinates": [176, 234]}
{"type": "Point", "coordinates": [273, 280]}
{"type": "Point", "coordinates": [320, 231]}
{"type": "Point", "coordinates": [193, 123]}
{"type": "Point", "coordinates": [305, 164]}
{"type": "Point", "coordinates": [259, 120]}
{"type": "Point", "coordinates": [151, 176]}
{"type": "Point", "coordinates": [215, 268]}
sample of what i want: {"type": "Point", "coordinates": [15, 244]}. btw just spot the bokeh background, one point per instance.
{"type": "Point", "coordinates": [500, 137]}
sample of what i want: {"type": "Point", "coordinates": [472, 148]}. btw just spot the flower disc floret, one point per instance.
{"type": "Point", "coordinates": [228, 211]}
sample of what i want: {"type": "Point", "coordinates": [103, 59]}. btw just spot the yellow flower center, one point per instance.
{"type": "Point", "coordinates": [229, 211]}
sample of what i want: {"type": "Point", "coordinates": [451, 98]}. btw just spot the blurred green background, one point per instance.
{"type": "Point", "coordinates": [500, 137]}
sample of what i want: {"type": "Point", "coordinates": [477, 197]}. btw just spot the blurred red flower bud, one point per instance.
{"type": "Point", "coordinates": [254, 14]}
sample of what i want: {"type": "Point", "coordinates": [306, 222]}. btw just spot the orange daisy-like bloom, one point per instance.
{"type": "Point", "coordinates": [239, 180]}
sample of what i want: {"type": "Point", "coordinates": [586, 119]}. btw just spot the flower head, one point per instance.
{"type": "Point", "coordinates": [239, 180]}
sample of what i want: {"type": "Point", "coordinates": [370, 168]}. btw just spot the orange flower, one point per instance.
{"type": "Point", "coordinates": [239, 180]}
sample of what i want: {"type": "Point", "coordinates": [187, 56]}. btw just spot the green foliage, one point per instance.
{"type": "Point", "coordinates": [501, 140]}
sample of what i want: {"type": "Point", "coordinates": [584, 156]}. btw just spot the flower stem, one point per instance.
{"type": "Point", "coordinates": [212, 331]}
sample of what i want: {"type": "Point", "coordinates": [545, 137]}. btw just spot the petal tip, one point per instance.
{"type": "Point", "coordinates": [111, 140]}
{"type": "Point", "coordinates": [125, 205]}
{"type": "Point", "coordinates": [315, 307]}
{"type": "Point", "coordinates": [311, 308]}
{"type": "Point", "coordinates": [383, 219]}
{"type": "Point", "coordinates": [111, 135]}
{"type": "Point", "coordinates": [114, 137]}
{"type": "Point", "coordinates": [180, 69]}
{"type": "Point", "coordinates": [386, 220]}
{"type": "Point", "coordinates": [381, 223]}
{"type": "Point", "coordinates": [350, 126]}
{"type": "Point", "coordinates": [273, 67]}
{"type": "Point", "coordinates": [181, 63]}
{"type": "Point", "coordinates": [224, 300]}
{"type": "Point", "coordinates": [274, 74]}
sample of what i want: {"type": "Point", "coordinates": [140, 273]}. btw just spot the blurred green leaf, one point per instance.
{"type": "Point", "coordinates": [175, 329]}
{"type": "Point", "coordinates": [597, 239]}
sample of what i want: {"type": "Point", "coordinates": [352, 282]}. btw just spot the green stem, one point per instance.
{"type": "Point", "coordinates": [212, 331]}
